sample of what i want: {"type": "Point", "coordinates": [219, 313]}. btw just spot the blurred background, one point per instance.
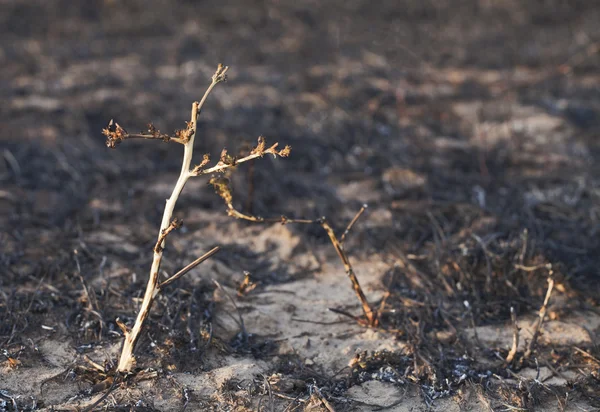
{"type": "Point", "coordinates": [492, 103]}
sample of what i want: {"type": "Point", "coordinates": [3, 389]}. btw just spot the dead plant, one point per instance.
{"type": "Point", "coordinates": [116, 134]}
{"type": "Point", "coordinates": [223, 189]}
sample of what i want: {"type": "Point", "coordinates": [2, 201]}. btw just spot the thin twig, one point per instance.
{"type": "Point", "coordinates": [344, 313]}
{"type": "Point", "coordinates": [239, 313]}
{"type": "Point", "coordinates": [316, 322]}
{"type": "Point", "coordinates": [112, 387]}
{"type": "Point", "coordinates": [92, 303]}
{"type": "Point", "coordinates": [270, 391]}
{"type": "Point", "coordinates": [88, 298]}
{"type": "Point", "coordinates": [126, 361]}
{"type": "Point", "coordinates": [94, 365]}
{"type": "Point", "coordinates": [515, 342]}
{"type": "Point", "coordinates": [540, 320]}
{"type": "Point", "coordinates": [370, 313]}
{"type": "Point", "coordinates": [533, 268]}
{"type": "Point", "coordinates": [587, 354]}
{"type": "Point", "coordinates": [488, 279]}
{"type": "Point", "coordinates": [115, 134]}
{"type": "Point", "coordinates": [319, 396]}
{"type": "Point", "coordinates": [189, 267]}
{"type": "Point", "coordinates": [227, 161]}
{"type": "Point", "coordinates": [352, 222]}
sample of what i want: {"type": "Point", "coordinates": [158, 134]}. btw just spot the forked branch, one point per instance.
{"type": "Point", "coordinates": [222, 188]}
{"type": "Point", "coordinates": [116, 134]}
{"type": "Point", "coordinates": [126, 361]}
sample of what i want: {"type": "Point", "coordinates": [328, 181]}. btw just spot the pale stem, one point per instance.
{"type": "Point", "coordinates": [126, 360]}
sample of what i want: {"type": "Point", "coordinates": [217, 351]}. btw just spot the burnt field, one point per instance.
{"type": "Point", "coordinates": [470, 128]}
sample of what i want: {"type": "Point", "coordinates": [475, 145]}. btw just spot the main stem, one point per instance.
{"type": "Point", "coordinates": [126, 360]}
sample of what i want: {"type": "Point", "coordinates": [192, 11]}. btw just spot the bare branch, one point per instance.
{"type": "Point", "coordinates": [239, 313]}
{"type": "Point", "coordinates": [371, 314]}
{"type": "Point", "coordinates": [352, 222]}
{"type": "Point", "coordinates": [189, 267]}
{"type": "Point", "coordinates": [226, 161]}
{"type": "Point", "coordinates": [221, 185]}
{"type": "Point", "coordinates": [115, 134]}
{"type": "Point", "coordinates": [515, 343]}
{"type": "Point", "coordinates": [541, 317]}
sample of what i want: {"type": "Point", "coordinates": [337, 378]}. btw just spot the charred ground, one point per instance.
{"type": "Point", "coordinates": [469, 127]}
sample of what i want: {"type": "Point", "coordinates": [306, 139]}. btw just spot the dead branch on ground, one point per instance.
{"type": "Point", "coordinates": [223, 189]}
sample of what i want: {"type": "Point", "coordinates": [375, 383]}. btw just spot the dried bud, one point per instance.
{"type": "Point", "coordinates": [260, 147]}
{"type": "Point", "coordinates": [114, 133]}
{"type": "Point", "coordinates": [246, 286]}
{"type": "Point", "coordinates": [220, 75]}
{"type": "Point", "coordinates": [285, 152]}
{"type": "Point", "coordinates": [227, 159]}
{"type": "Point", "coordinates": [152, 130]}
{"type": "Point", "coordinates": [156, 134]}
{"type": "Point", "coordinates": [186, 134]}
{"type": "Point", "coordinates": [205, 160]}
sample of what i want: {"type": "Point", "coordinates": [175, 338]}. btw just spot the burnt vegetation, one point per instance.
{"type": "Point", "coordinates": [475, 150]}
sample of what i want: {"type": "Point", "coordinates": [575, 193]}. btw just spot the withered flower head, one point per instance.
{"type": "Point", "coordinates": [114, 133]}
